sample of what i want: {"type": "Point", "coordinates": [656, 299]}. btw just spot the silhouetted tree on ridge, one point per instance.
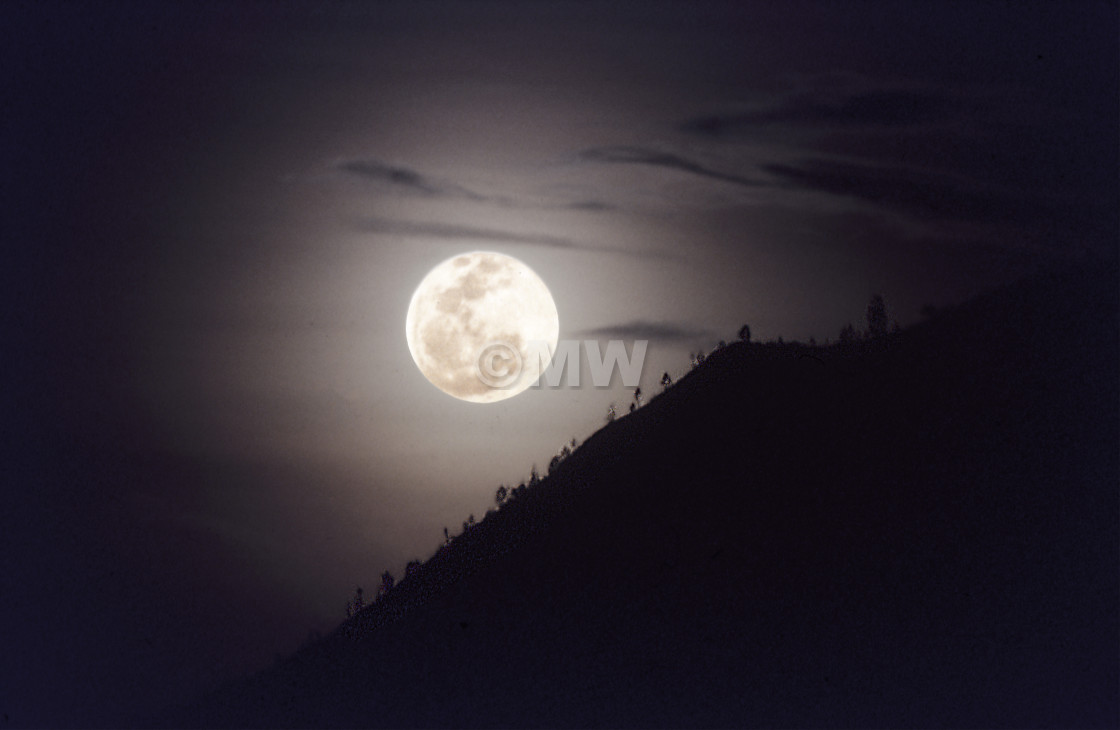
{"type": "Point", "coordinates": [387, 582]}
{"type": "Point", "coordinates": [354, 607]}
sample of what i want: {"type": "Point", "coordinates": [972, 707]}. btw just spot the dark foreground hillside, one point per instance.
{"type": "Point", "coordinates": [921, 532]}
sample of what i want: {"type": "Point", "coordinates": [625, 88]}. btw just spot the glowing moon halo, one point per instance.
{"type": "Point", "coordinates": [475, 323]}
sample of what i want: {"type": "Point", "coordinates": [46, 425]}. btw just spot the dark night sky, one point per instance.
{"type": "Point", "coordinates": [215, 215]}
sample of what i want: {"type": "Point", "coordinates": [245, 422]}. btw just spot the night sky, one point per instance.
{"type": "Point", "coordinates": [215, 216]}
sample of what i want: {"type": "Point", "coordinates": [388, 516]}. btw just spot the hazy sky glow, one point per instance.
{"type": "Point", "coordinates": [218, 214]}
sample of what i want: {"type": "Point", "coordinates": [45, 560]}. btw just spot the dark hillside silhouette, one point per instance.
{"type": "Point", "coordinates": [917, 530]}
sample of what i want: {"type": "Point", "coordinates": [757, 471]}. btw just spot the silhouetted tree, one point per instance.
{"type": "Point", "coordinates": [446, 537]}
{"type": "Point", "coordinates": [745, 333]}
{"type": "Point", "coordinates": [633, 407]}
{"type": "Point", "coordinates": [354, 607]}
{"type": "Point", "coordinates": [666, 381]}
{"type": "Point", "coordinates": [812, 342]}
{"type": "Point", "coordinates": [847, 335]}
{"type": "Point", "coordinates": [877, 316]}
{"type": "Point", "coordinates": [386, 584]}
{"type": "Point", "coordinates": [412, 568]}
{"type": "Point", "coordinates": [553, 463]}
{"type": "Point", "coordinates": [534, 477]}
{"type": "Point", "coordinates": [501, 495]}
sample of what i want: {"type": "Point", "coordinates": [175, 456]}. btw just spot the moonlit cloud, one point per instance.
{"type": "Point", "coordinates": [913, 193]}
{"type": "Point", "coordinates": [884, 109]}
{"type": "Point", "coordinates": [455, 232]}
{"type": "Point", "coordinates": [641, 156]}
{"type": "Point", "coordinates": [414, 229]}
{"type": "Point", "coordinates": [410, 181]}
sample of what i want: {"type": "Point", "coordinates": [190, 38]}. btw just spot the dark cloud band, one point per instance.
{"type": "Point", "coordinates": [654, 158]}
{"type": "Point", "coordinates": [645, 330]}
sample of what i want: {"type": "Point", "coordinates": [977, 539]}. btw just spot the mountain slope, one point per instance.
{"type": "Point", "coordinates": [920, 532]}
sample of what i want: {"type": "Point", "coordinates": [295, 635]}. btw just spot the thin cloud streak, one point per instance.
{"type": "Point", "coordinates": [918, 195]}
{"type": "Point", "coordinates": [643, 156]}
{"type": "Point", "coordinates": [413, 229]}
{"type": "Point", "coordinates": [646, 330]}
{"type": "Point", "coordinates": [878, 109]}
{"type": "Point", "coordinates": [451, 231]}
{"type": "Point", "coordinates": [411, 182]}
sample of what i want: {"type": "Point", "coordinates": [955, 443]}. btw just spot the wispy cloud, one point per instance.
{"type": "Point", "coordinates": [646, 330]}
{"type": "Point", "coordinates": [413, 229]}
{"type": "Point", "coordinates": [874, 109]}
{"type": "Point", "coordinates": [408, 181]}
{"type": "Point", "coordinates": [451, 231]}
{"type": "Point", "coordinates": [916, 194]}
{"type": "Point", "coordinates": [590, 205]}
{"type": "Point", "coordinates": [643, 156]}
{"type": "Point", "coordinates": [411, 181]}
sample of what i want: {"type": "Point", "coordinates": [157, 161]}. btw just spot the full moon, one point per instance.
{"type": "Point", "coordinates": [481, 326]}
